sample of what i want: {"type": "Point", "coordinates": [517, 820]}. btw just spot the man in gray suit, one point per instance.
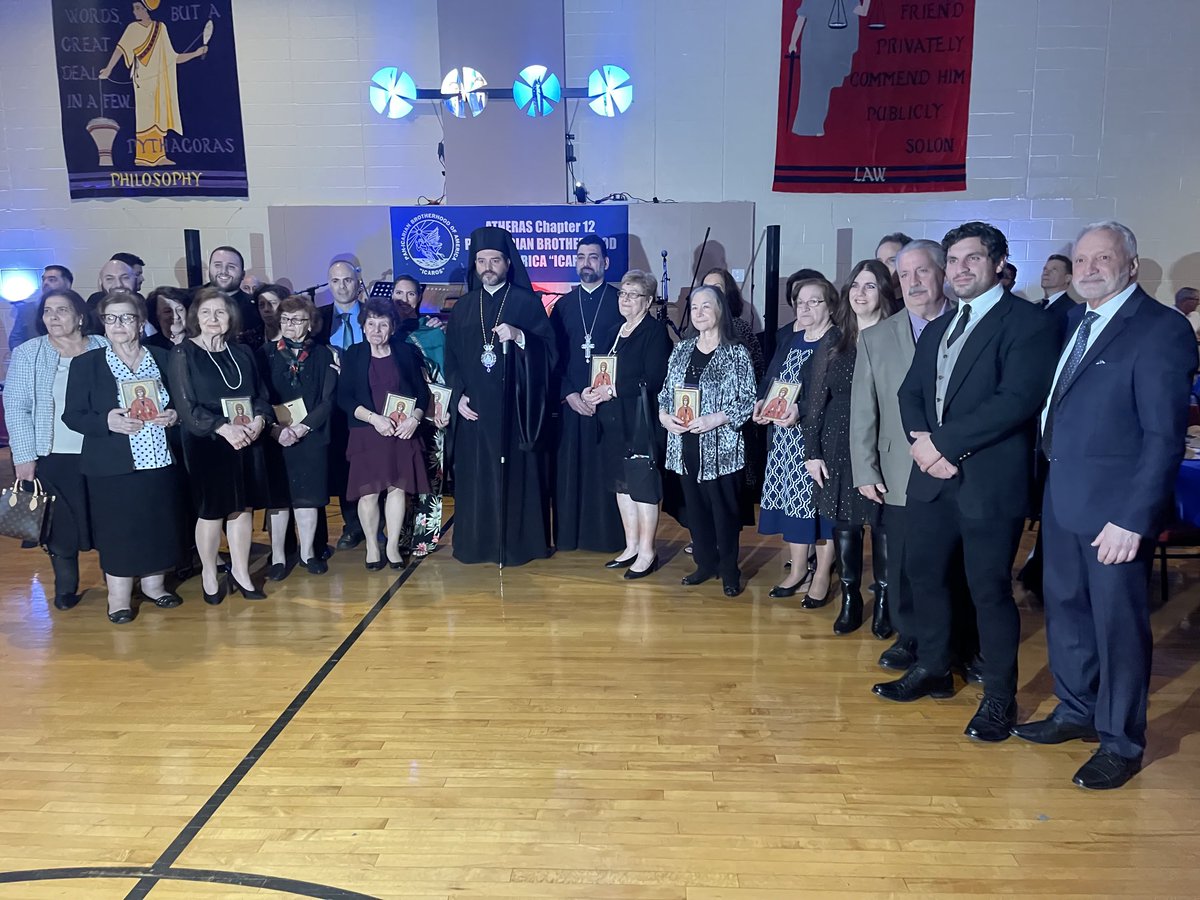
{"type": "Point", "coordinates": [879, 446]}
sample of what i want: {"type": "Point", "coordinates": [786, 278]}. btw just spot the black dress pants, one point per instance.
{"type": "Point", "coordinates": [964, 633]}
{"type": "Point", "coordinates": [938, 533]}
{"type": "Point", "coordinates": [715, 522]}
{"type": "Point", "coordinates": [1098, 635]}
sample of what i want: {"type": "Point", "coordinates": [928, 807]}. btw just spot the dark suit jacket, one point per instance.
{"type": "Point", "coordinates": [1059, 310]}
{"type": "Point", "coordinates": [997, 388]}
{"type": "Point", "coordinates": [1119, 429]}
{"type": "Point", "coordinates": [91, 396]}
{"type": "Point", "coordinates": [354, 385]}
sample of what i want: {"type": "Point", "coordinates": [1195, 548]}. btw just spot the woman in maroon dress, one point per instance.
{"type": "Point", "coordinates": [385, 455]}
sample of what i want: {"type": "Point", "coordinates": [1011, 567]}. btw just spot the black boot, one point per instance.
{"type": "Point", "coordinates": [849, 544]}
{"type": "Point", "coordinates": [881, 621]}
{"type": "Point", "coordinates": [66, 580]}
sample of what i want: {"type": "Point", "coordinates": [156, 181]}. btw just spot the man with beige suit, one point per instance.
{"type": "Point", "coordinates": [879, 447]}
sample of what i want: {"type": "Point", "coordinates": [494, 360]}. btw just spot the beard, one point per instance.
{"type": "Point", "coordinates": [588, 275]}
{"type": "Point", "coordinates": [491, 279]}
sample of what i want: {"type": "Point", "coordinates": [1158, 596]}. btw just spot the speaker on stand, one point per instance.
{"type": "Point", "coordinates": [195, 264]}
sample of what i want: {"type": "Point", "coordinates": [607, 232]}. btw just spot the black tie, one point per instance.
{"type": "Point", "coordinates": [347, 334]}
{"type": "Point", "coordinates": [961, 325]}
{"type": "Point", "coordinates": [1078, 351]}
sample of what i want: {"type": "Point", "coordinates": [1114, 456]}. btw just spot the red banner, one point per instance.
{"type": "Point", "coordinates": [874, 96]}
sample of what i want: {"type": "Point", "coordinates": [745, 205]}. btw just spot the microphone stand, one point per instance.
{"type": "Point", "coordinates": [312, 291]}
{"type": "Point", "coordinates": [664, 298]}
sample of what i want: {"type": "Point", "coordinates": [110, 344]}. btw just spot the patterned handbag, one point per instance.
{"type": "Point", "coordinates": [25, 514]}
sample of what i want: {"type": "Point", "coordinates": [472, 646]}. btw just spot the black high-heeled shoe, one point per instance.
{"type": "Point", "coordinates": [122, 616]}
{"type": "Point", "coordinates": [621, 563]}
{"type": "Point", "coordinates": [697, 577]}
{"type": "Point", "coordinates": [400, 564]}
{"type": "Point", "coordinates": [315, 566]}
{"type": "Point", "coordinates": [632, 574]}
{"type": "Point", "coordinates": [811, 602]}
{"type": "Point", "coordinates": [779, 592]}
{"type": "Point", "coordinates": [249, 593]}
{"type": "Point", "coordinates": [277, 572]}
{"type": "Point", "coordinates": [374, 566]}
{"type": "Point", "coordinates": [214, 599]}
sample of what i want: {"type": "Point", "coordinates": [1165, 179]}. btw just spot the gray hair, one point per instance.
{"type": "Point", "coordinates": [1128, 239]}
{"type": "Point", "coordinates": [933, 248]}
{"type": "Point", "coordinates": [646, 283]}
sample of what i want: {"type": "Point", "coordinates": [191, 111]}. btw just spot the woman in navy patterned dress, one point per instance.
{"type": "Point", "coordinates": [788, 507]}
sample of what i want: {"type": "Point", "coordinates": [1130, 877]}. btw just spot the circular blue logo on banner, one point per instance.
{"type": "Point", "coordinates": [430, 242]}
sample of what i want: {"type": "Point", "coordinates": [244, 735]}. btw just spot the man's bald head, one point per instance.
{"type": "Point", "coordinates": [116, 275]}
{"type": "Point", "coordinates": [343, 282]}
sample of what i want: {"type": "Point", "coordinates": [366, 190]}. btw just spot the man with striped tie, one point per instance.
{"type": "Point", "coordinates": [1113, 430]}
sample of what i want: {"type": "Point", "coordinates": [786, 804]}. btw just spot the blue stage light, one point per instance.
{"type": "Point", "coordinates": [393, 93]}
{"type": "Point", "coordinates": [464, 93]}
{"type": "Point", "coordinates": [609, 91]}
{"type": "Point", "coordinates": [537, 89]}
{"type": "Point", "coordinates": [18, 284]}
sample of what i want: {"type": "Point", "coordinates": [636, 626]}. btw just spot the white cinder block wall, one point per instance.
{"type": "Point", "coordinates": [1081, 109]}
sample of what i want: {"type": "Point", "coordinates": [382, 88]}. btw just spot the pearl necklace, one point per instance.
{"type": "Point", "coordinates": [221, 372]}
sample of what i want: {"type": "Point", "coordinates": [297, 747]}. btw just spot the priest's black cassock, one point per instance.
{"type": "Point", "coordinates": [585, 509]}
{"type": "Point", "coordinates": [478, 446]}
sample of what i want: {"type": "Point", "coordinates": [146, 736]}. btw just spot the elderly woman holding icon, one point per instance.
{"type": "Point", "coordinates": [386, 455]}
{"type": "Point", "coordinates": [708, 451]}
{"type": "Point", "coordinates": [626, 411]}
{"type": "Point", "coordinates": [301, 382]}
{"type": "Point", "coordinates": [211, 375]}
{"type": "Point", "coordinates": [127, 458]}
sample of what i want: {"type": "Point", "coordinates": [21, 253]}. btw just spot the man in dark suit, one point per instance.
{"type": "Point", "coordinates": [1113, 430]}
{"type": "Point", "coordinates": [969, 404]}
{"type": "Point", "coordinates": [1056, 283]}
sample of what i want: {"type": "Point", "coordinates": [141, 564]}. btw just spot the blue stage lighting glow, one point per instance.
{"type": "Point", "coordinates": [464, 93]}
{"type": "Point", "coordinates": [18, 284]}
{"type": "Point", "coordinates": [609, 91]}
{"type": "Point", "coordinates": [538, 90]}
{"type": "Point", "coordinates": [393, 93]}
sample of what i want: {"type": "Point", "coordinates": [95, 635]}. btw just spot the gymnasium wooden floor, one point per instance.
{"type": "Point", "coordinates": [434, 733]}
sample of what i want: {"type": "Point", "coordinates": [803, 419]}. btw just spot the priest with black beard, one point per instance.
{"type": "Point", "coordinates": [586, 320]}
{"type": "Point", "coordinates": [499, 327]}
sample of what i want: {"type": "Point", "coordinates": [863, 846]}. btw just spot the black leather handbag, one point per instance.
{"type": "Point", "coordinates": [25, 514]}
{"type": "Point", "coordinates": [643, 480]}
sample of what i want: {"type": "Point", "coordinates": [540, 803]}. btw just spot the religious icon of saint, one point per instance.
{"type": "Point", "coordinates": [143, 408]}
{"type": "Point", "coordinates": [777, 408]}
{"type": "Point", "coordinates": [686, 414]}
{"type": "Point", "coordinates": [602, 377]}
{"type": "Point", "coordinates": [240, 417]}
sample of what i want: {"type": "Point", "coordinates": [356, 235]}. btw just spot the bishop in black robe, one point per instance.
{"type": "Point", "coordinates": [586, 320]}
{"type": "Point", "coordinates": [491, 383]}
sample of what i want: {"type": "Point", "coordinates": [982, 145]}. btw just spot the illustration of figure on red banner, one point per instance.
{"type": "Point", "coordinates": [825, 41]}
{"type": "Point", "coordinates": [146, 49]}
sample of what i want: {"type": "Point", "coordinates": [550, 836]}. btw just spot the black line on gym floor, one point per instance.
{"type": "Point", "coordinates": [161, 865]}
{"type": "Point", "coordinates": [204, 876]}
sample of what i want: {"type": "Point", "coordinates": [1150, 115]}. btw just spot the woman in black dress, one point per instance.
{"type": "Point", "coordinates": [626, 410]}
{"type": "Point", "coordinates": [384, 450]}
{"type": "Point", "coordinates": [127, 458]}
{"type": "Point", "coordinates": [826, 428]}
{"type": "Point", "coordinates": [301, 381]}
{"type": "Point", "coordinates": [210, 376]}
